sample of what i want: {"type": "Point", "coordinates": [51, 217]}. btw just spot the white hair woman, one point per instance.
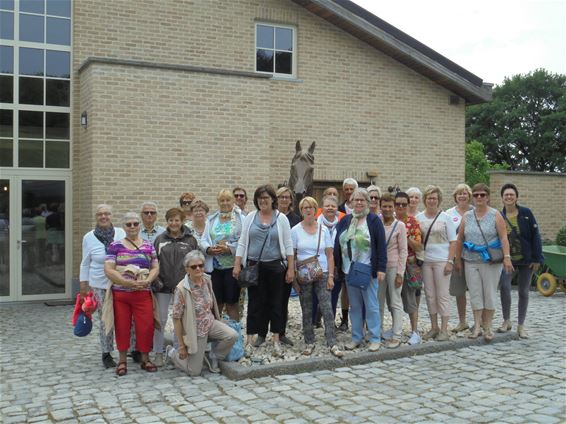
{"type": "Point", "coordinates": [92, 276]}
{"type": "Point", "coordinates": [196, 320]}
{"type": "Point", "coordinates": [348, 187]}
{"type": "Point", "coordinates": [415, 196]}
{"type": "Point", "coordinates": [360, 238]}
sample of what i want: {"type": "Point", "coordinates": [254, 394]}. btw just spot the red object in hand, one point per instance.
{"type": "Point", "coordinates": [88, 306]}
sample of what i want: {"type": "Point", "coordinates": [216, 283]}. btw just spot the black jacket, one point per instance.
{"type": "Point", "coordinates": [171, 252]}
{"type": "Point", "coordinates": [529, 235]}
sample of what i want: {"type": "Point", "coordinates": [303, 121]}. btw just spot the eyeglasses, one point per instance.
{"type": "Point", "coordinates": [284, 197]}
{"type": "Point", "coordinates": [359, 200]}
{"type": "Point", "coordinates": [374, 198]}
{"type": "Point", "coordinates": [265, 198]}
{"type": "Point", "coordinates": [147, 213]}
{"type": "Point", "coordinates": [476, 195]}
{"type": "Point", "coordinates": [132, 224]}
{"type": "Point", "coordinates": [186, 202]}
{"type": "Point", "coordinates": [240, 196]}
{"type": "Point", "coordinates": [195, 266]}
{"type": "Point", "coordinates": [401, 205]}
{"type": "Point", "coordinates": [103, 214]}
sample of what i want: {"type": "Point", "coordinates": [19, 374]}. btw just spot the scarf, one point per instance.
{"type": "Point", "coordinates": [104, 236]}
{"type": "Point", "coordinates": [330, 225]}
{"type": "Point", "coordinates": [354, 222]}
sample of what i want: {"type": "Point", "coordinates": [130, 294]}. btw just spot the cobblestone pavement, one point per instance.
{"type": "Point", "coordinates": [48, 375]}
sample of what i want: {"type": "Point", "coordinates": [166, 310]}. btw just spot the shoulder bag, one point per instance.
{"type": "Point", "coordinates": [419, 261]}
{"type": "Point", "coordinates": [249, 275]}
{"type": "Point", "coordinates": [495, 254]}
{"type": "Point", "coordinates": [359, 275]}
{"type": "Point", "coordinates": [310, 270]}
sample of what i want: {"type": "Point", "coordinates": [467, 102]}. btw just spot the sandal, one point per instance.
{"type": "Point", "coordinates": [122, 369]}
{"type": "Point", "coordinates": [148, 366]}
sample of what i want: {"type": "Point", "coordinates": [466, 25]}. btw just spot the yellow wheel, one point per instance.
{"type": "Point", "coordinates": [546, 284]}
{"type": "Point", "coordinates": [563, 285]}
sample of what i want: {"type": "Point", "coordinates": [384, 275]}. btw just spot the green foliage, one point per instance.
{"type": "Point", "coordinates": [561, 237]}
{"type": "Point", "coordinates": [477, 165]}
{"type": "Point", "coordinates": [525, 123]}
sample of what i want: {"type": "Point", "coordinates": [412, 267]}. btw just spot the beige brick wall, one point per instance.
{"type": "Point", "coordinates": [155, 133]}
{"type": "Point", "coordinates": [543, 193]}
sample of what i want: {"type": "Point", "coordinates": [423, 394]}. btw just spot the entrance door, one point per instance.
{"type": "Point", "coordinates": [35, 238]}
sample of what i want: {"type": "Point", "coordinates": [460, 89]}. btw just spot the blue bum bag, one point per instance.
{"type": "Point", "coordinates": [359, 275]}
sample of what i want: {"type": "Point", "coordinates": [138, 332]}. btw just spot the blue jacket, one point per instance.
{"type": "Point", "coordinates": [529, 236]}
{"type": "Point", "coordinates": [377, 242]}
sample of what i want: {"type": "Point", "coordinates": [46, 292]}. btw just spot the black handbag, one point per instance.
{"type": "Point", "coordinates": [249, 275]}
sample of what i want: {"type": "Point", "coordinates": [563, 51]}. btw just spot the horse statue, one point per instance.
{"type": "Point", "coordinates": [302, 170]}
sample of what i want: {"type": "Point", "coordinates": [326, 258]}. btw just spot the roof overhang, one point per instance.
{"type": "Point", "coordinates": [395, 43]}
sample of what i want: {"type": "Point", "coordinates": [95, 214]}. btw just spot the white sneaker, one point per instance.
{"type": "Point", "coordinates": [158, 359]}
{"type": "Point", "coordinates": [415, 338]}
{"type": "Point", "coordinates": [374, 346]}
{"type": "Point", "coordinates": [387, 335]}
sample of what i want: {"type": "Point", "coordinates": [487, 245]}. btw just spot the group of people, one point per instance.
{"type": "Point", "coordinates": [373, 250]}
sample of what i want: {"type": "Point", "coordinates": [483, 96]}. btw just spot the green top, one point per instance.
{"type": "Point", "coordinates": [514, 242]}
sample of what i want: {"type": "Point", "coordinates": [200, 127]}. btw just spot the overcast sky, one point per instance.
{"type": "Point", "coordinates": [492, 39]}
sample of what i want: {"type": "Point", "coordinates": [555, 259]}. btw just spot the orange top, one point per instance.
{"type": "Point", "coordinates": [340, 214]}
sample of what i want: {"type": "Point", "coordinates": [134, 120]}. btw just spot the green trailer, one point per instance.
{"type": "Point", "coordinates": [555, 260]}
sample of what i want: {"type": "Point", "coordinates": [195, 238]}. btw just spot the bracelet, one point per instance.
{"type": "Point", "coordinates": [330, 275]}
{"type": "Point", "coordinates": [507, 256]}
{"type": "Point", "coordinates": [450, 261]}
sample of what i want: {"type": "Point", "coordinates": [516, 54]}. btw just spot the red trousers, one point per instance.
{"type": "Point", "coordinates": [138, 304]}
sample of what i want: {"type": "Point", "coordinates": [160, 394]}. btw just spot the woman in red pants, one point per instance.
{"type": "Point", "coordinates": [131, 265]}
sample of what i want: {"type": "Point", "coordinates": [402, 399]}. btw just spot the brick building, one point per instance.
{"type": "Point", "coordinates": [122, 101]}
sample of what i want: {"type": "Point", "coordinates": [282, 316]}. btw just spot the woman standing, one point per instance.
{"type": "Point", "coordinates": [482, 233]}
{"type": "Point", "coordinates": [224, 229]}
{"type": "Point", "coordinates": [462, 197]}
{"type": "Point", "coordinates": [197, 321]}
{"type": "Point", "coordinates": [201, 231]}
{"type": "Point", "coordinates": [360, 237]}
{"type": "Point", "coordinates": [311, 239]}
{"type": "Point", "coordinates": [266, 238]}
{"type": "Point", "coordinates": [171, 246]}
{"type": "Point", "coordinates": [439, 245]}
{"type": "Point", "coordinates": [285, 199]}
{"type": "Point", "coordinates": [185, 201]}
{"type": "Point", "coordinates": [526, 256]}
{"type": "Point", "coordinates": [92, 276]}
{"type": "Point", "coordinates": [131, 265]}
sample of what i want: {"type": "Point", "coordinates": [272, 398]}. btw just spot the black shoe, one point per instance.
{"type": "Point", "coordinates": [286, 340]}
{"type": "Point", "coordinates": [136, 356]}
{"type": "Point", "coordinates": [343, 326]}
{"type": "Point", "coordinates": [108, 361]}
{"type": "Point", "coordinates": [259, 341]}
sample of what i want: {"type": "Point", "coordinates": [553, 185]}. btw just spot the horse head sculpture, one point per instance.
{"type": "Point", "coordinates": [302, 170]}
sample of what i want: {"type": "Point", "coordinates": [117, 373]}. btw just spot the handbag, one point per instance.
{"type": "Point", "coordinates": [249, 275]}
{"type": "Point", "coordinates": [359, 275]}
{"type": "Point", "coordinates": [310, 270]}
{"type": "Point", "coordinates": [237, 351]}
{"type": "Point", "coordinates": [495, 254]}
{"type": "Point", "coordinates": [414, 276]}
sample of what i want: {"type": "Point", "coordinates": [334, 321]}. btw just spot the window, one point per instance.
{"type": "Point", "coordinates": [275, 49]}
{"type": "Point", "coordinates": [35, 83]}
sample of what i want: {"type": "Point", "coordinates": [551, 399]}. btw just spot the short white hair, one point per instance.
{"type": "Point", "coordinates": [414, 190]}
{"type": "Point", "coordinates": [374, 188]}
{"type": "Point", "coordinates": [191, 256]}
{"type": "Point", "coordinates": [130, 215]}
{"type": "Point", "coordinates": [350, 181]}
{"type": "Point", "coordinates": [149, 203]}
{"type": "Point", "coordinates": [103, 206]}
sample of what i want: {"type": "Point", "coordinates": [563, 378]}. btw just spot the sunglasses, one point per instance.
{"type": "Point", "coordinates": [132, 224]}
{"type": "Point", "coordinates": [374, 198]}
{"type": "Point", "coordinates": [240, 196]}
{"type": "Point", "coordinates": [401, 205]}
{"type": "Point", "coordinates": [195, 266]}
{"type": "Point", "coordinates": [148, 213]}
{"type": "Point", "coordinates": [186, 202]}
{"type": "Point", "coordinates": [476, 195]}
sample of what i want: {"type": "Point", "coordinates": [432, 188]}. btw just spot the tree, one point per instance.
{"type": "Point", "coordinates": [524, 125]}
{"type": "Point", "coordinates": [477, 165]}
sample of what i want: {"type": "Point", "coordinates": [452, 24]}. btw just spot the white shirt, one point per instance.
{"type": "Point", "coordinates": [94, 255]}
{"type": "Point", "coordinates": [456, 217]}
{"type": "Point", "coordinates": [443, 232]}
{"type": "Point", "coordinates": [306, 244]}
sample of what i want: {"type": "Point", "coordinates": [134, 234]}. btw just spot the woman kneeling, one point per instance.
{"type": "Point", "coordinates": [196, 320]}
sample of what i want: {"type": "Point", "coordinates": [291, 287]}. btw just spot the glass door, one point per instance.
{"type": "Point", "coordinates": [34, 238]}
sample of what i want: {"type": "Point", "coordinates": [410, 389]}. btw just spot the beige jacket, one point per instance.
{"type": "Point", "coordinates": [189, 320]}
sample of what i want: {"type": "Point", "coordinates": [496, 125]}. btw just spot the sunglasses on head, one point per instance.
{"type": "Point", "coordinates": [132, 224]}
{"type": "Point", "coordinates": [149, 213]}
{"type": "Point", "coordinates": [476, 195]}
{"type": "Point", "coordinates": [401, 205]}
{"type": "Point", "coordinates": [195, 266]}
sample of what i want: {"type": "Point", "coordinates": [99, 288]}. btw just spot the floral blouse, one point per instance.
{"type": "Point", "coordinates": [413, 233]}
{"type": "Point", "coordinates": [203, 303]}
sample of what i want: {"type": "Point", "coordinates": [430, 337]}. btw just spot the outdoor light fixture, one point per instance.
{"type": "Point", "coordinates": [84, 120]}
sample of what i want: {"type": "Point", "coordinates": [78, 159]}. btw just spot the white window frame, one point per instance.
{"type": "Point", "coordinates": [293, 73]}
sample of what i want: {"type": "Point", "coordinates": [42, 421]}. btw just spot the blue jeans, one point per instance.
{"type": "Point", "coordinates": [368, 298]}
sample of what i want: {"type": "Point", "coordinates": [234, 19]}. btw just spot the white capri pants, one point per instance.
{"type": "Point", "coordinates": [436, 286]}
{"type": "Point", "coordinates": [482, 279]}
